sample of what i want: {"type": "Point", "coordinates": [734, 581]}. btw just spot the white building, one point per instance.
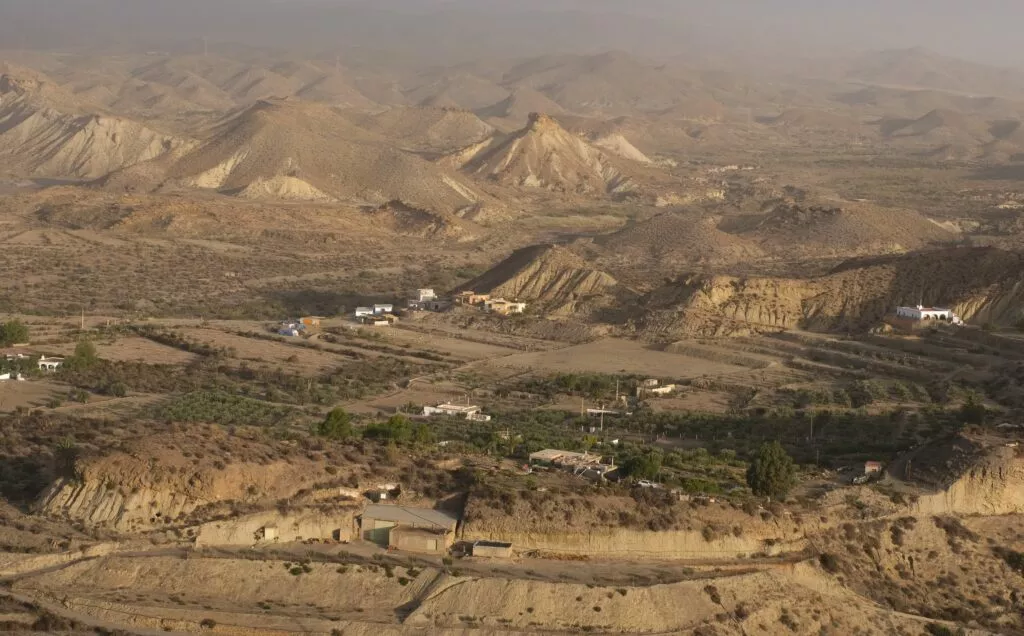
{"type": "Point", "coordinates": [50, 364]}
{"type": "Point", "coordinates": [423, 295]}
{"type": "Point", "coordinates": [379, 310]}
{"type": "Point", "coordinates": [921, 313]}
{"type": "Point", "coordinates": [663, 390]}
{"type": "Point", "coordinates": [504, 307]}
{"type": "Point", "coordinates": [465, 411]}
{"type": "Point", "coordinates": [364, 311]}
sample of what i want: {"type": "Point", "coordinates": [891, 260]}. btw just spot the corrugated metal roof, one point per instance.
{"type": "Point", "coordinates": [422, 517]}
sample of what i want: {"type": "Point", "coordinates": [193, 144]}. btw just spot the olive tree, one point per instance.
{"type": "Point", "coordinates": [771, 473]}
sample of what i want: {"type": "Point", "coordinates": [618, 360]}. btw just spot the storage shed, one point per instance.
{"type": "Point", "coordinates": [492, 549]}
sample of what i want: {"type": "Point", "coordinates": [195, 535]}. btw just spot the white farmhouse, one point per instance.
{"type": "Point", "coordinates": [469, 412]}
{"type": "Point", "coordinates": [363, 311]}
{"type": "Point", "coordinates": [921, 314]}
{"type": "Point", "coordinates": [424, 295]}
{"type": "Point", "coordinates": [380, 310]}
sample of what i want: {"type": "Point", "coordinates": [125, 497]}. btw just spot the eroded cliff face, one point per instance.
{"type": "Point", "coordinates": [127, 492]}
{"type": "Point", "coordinates": [992, 486]}
{"type": "Point", "coordinates": [338, 524]}
{"type": "Point", "coordinates": [621, 543]}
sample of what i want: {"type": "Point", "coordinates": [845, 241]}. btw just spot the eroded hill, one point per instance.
{"type": "Point", "coordinates": [544, 155]}
{"type": "Point", "coordinates": [553, 277]}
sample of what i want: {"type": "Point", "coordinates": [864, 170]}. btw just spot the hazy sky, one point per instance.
{"type": "Point", "coordinates": [985, 30]}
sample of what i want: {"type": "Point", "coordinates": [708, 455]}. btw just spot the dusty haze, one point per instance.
{"type": "Point", "coordinates": [460, 30]}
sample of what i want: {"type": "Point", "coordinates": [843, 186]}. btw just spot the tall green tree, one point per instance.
{"type": "Point", "coordinates": [337, 425]}
{"type": "Point", "coordinates": [646, 466]}
{"type": "Point", "coordinates": [84, 356]}
{"type": "Point", "coordinates": [12, 333]}
{"type": "Point", "coordinates": [772, 472]}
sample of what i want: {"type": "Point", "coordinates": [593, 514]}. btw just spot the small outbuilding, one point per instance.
{"type": "Point", "coordinates": [492, 549]}
{"type": "Point", "coordinates": [872, 468]}
{"type": "Point", "coordinates": [267, 533]}
{"type": "Point", "coordinates": [422, 540]}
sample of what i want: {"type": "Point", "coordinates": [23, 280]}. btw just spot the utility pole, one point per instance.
{"type": "Point", "coordinates": [82, 327]}
{"type": "Point", "coordinates": [602, 418]}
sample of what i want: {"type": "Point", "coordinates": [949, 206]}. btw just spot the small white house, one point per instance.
{"type": "Point", "coordinates": [922, 313]}
{"type": "Point", "coordinates": [379, 310]}
{"type": "Point", "coordinates": [424, 295]}
{"type": "Point", "coordinates": [663, 390]}
{"type": "Point", "coordinates": [50, 364]}
{"type": "Point", "coordinates": [467, 411]}
{"type": "Point", "coordinates": [364, 311]}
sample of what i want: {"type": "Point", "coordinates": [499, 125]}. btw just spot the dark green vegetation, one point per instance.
{"type": "Point", "coordinates": [223, 408]}
{"type": "Point", "coordinates": [771, 472]}
{"type": "Point", "coordinates": [12, 333]}
{"type": "Point", "coordinates": [337, 425]}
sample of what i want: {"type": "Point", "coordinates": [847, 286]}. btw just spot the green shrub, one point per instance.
{"type": "Point", "coordinates": [12, 333]}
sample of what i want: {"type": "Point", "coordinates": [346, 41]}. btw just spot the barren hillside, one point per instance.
{"type": "Point", "coordinates": [679, 238]}
{"type": "Point", "coordinates": [428, 129]}
{"type": "Point", "coordinates": [516, 109]}
{"type": "Point", "coordinates": [45, 132]}
{"type": "Point", "coordinates": [612, 82]}
{"type": "Point", "coordinates": [843, 228]}
{"type": "Point", "coordinates": [311, 152]}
